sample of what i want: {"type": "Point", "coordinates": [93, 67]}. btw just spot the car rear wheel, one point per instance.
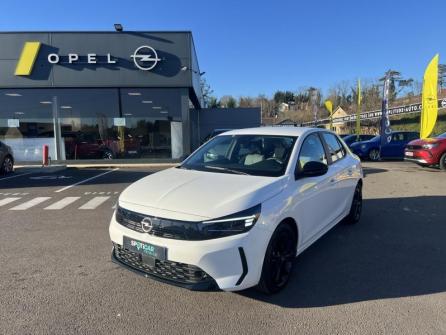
{"type": "Point", "coordinates": [7, 165]}
{"type": "Point", "coordinates": [356, 208]}
{"type": "Point", "coordinates": [443, 162]}
{"type": "Point", "coordinates": [374, 155]}
{"type": "Point", "coordinates": [279, 258]}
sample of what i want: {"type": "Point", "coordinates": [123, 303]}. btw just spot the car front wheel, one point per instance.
{"type": "Point", "coordinates": [443, 162]}
{"type": "Point", "coordinates": [7, 165]}
{"type": "Point", "coordinates": [279, 258]}
{"type": "Point", "coordinates": [374, 155]}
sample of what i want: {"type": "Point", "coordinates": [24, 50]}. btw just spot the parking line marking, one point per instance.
{"type": "Point", "coordinates": [15, 176]}
{"type": "Point", "coordinates": [7, 201]}
{"type": "Point", "coordinates": [30, 203]}
{"type": "Point", "coordinates": [62, 203]}
{"type": "Point", "coordinates": [85, 180]}
{"type": "Point", "coordinates": [94, 203]}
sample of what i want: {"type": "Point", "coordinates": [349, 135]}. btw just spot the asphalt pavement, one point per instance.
{"type": "Point", "coordinates": [386, 275]}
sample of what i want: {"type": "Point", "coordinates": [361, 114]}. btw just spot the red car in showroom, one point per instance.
{"type": "Point", "coordinates": [427, 152]}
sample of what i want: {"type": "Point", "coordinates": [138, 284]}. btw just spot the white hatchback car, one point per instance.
{"type": "Point", "coordinates": [238, 211]}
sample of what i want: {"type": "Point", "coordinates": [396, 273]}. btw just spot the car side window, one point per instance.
{"type": "Point", "coordinates": [397, 137]}
{"type": "Point", "coordinates": [311, 150]}
{"type": "Point", "coordinates": [335, 148]}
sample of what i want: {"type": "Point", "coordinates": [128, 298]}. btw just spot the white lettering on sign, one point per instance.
{"type": "Point", "coordinates": [91, 58]}
{"type": "Point", "coordinates": [110, 60]}
{"type": "Point", "coordinates": [72, 58]}
{"type": "Point", "coordinates": [53, 58]}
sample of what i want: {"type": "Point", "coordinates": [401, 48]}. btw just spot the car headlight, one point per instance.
{"type": "Point", "coordinates": [430, 145]}
{"type": "Point", "coordinates": [238, 223]}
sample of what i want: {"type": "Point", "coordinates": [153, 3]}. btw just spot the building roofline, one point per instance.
{"type": "Point", "coordinates": [97, 31]}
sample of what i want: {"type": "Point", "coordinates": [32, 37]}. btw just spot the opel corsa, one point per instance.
{"type": "Point", "coordinates": [238, 211]}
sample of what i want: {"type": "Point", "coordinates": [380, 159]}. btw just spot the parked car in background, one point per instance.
{"type": "Point", "coordinates": [6, 159]}
{"type": "Point", "coordinates": [393, 150]}
{"type": "Point", "coordinates": [214, 133]}
{"type": "Point", "coordinates": [350, 139]}
{"type": "Point", "coordinates": [427, 152]}
{"type": "Point", "coordinates": [238, 211]}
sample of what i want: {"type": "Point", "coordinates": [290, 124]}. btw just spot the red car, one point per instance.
{"type": "Point", "coordinates": [430, 151]}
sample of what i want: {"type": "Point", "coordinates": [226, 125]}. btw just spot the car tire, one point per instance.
{"type": "Point", "coordinates": [107, 154]}
{"type": "Point", "coordinates": [7, 165]}
{"type": "Point", "coordinates": [442, 162]}
{"type": "Point", "coordinates": [279, 258]}
{"type": "Point", "coordinates": [354, 215]}
{"type": "Point", "coordinates": [374, 155]}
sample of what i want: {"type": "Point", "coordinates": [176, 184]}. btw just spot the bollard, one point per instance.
{"type": "Point", "coordinates": [45, 155]}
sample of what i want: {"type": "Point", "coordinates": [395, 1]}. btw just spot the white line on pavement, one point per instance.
{"type": "Point", "coordinates": [85, 180]}
{"type": "Point", "coordinates": [94, 203]}
{"type": "Point", "coordinates": [7, 201]}
{"type": "Point", "coordinates": [15, 176]}
{"type": "Point", "coordinates": [30, 203]}
{"type": "Point", "coordinates": [62, 203]}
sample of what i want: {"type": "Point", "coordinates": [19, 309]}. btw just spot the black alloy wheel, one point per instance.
{"type": "Point", "coordinates": [443, 162]}
{"type": "Point", "coordinates": [7, 165]}
{"type": "Point", "coordinates": [374, 155]}
{"type": "Point", "coordinates": [279, 258]}
{"type": "Point", "coordinates": [107, 154]}
{"type": "Point", "coordinates": [356, 208]}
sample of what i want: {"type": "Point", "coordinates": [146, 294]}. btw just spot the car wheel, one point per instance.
{"type": "Point", "coordinates": [443, 162]}
{"type": "Point", "coordinates": [374, 155]}
{"type": "Point", "coordinates": [107, 154]}
{"type": "Point", "coordinates": [356, 208]}
{"type": "Point", "coordinates": [278, 262]}
{"type": "Point", "coordinates": [7, 165]}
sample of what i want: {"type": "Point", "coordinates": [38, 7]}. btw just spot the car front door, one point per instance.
{"type": "Point", "coordinates": [311, 200]}
{"type": "Point", "coordinates": [395, 148]}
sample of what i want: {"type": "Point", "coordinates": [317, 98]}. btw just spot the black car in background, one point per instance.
{"type": "Point", "coordinates": [350, 139]}
{"type": "Point", "coordinates": [6, 159]}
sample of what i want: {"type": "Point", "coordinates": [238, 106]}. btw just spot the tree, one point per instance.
{"type": "Point", "coordinates": [228, 101]}
{"type": "Point", "coordinates": [213, 103]}
{"type": "Point", "coordinates": [207, 91]}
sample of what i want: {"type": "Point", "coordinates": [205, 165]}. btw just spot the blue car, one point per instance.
{"type": "Point", "coordinates": [393, 150]}
{"type": "Point", "coordinates": [350, 139]}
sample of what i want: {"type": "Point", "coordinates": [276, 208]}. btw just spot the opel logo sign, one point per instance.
{"type": "Point", "coordinates": [145, 58]}
{"type": "Point", "coordinates": [147, 225]}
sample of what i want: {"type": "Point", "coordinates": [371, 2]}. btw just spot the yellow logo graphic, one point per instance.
{"type": "Point", "coordinates": [27, 59]}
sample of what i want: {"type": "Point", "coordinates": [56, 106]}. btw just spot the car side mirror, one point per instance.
{"type": "Point", "coordinates": [313, 169]}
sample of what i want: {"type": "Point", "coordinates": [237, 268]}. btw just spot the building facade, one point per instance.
{"type": "Point", "coordinates": [96, 95]}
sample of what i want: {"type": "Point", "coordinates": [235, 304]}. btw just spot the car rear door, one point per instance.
{"type": "Point", "coordinates": [340, 168]}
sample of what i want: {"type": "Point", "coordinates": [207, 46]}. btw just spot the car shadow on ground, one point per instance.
{"type": "Point", "coordinates": [398, 249]}
{"type": "Point", "coordinates": [370, 170]}
{"type": "Point", "coordinates": [71, 176]}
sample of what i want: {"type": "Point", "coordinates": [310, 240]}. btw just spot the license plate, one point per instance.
{"type": "Point", "coordinates": [146, 250]}
{"type": "Point", "coordinates": [409, 153]}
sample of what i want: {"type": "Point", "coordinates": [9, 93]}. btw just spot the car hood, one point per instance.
{"type": "Point", "coordinates": [424, 141]}
{"type": "Point", "coordinates": [200, 193]}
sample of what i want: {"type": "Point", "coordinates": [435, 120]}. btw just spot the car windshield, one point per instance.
{"type": "Point", "coordinates": [260, 155]}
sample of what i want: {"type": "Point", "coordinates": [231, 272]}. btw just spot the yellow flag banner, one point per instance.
{"type": "Point", "coordinates": [358, 110]}
{"type": "Point", "coordinates": [429, 103]}
{"type": "Point", "coordinates": [329, 105]}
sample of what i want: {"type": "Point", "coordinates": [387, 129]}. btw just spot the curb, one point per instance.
{"type": "Point", "coordinates": [41, 169]}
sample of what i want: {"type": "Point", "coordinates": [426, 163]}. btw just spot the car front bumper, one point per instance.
{"type": "Point", "coordinates": [230, 263]}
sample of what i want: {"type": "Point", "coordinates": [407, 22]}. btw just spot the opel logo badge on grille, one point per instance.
{"type": "Point", "coordinates": [147, 225]}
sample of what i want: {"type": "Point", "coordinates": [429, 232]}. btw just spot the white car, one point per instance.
{"type": "Point", "coordinates": [238, 211]}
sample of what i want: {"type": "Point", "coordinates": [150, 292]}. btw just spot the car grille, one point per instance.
{"type": "Point", "coordinates": [172, 271]}
{"type": "Point", "coordinates": [173, 229]}
{"type": "Point", "coordinates": [414, 147]}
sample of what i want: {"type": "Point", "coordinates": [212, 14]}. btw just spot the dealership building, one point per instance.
{"type": "Point", "coordinates": [113, 95]}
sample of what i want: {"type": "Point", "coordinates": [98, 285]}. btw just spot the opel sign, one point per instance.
{"type": "Point", "coordinates": [144, 57]}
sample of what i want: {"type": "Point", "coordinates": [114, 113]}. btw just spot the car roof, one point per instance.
{"type": "Point", "coordinates": [279, 131]}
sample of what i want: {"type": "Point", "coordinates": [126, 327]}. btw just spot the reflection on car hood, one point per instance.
{"type": "Point", "coordinates": [205, 194]}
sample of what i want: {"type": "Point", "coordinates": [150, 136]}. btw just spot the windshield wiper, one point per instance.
{"type": "Point", "coordinates": [225, 169]}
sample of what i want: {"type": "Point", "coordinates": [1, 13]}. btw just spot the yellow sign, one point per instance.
{"type": "Point", "coordinates": [329, 105]}
{"type": "Point", "coordinates": [27, 59]}
{"type": "Point", "coordinates": [429, 103]}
